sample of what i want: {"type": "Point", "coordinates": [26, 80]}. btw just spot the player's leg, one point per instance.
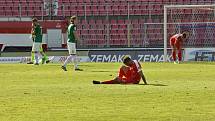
{"type": "Point", "coordinates": [32, 58]}
{"type": "Point", "coordinates": [36, 53]}
{"type": "Point", "coordinates": [173, 53]}
{"type": "Point", "coordinates": [74, 56]}
{"type": "Point", "coordinates": [43, 55]}
{"type": "Point", "coordinates": [114, 81]}
{"type": "Point", "coordinates": [126, 76]}
{"type": "Point", "coordinates": [118, 80]}
{"type": "Point", "coordinates": [35, 50]}
{"type": "Point", "coordinates": [44, 58]}
{"type": "Point", "coordinates": [179, 53]}
{"type": "Point", "coordinates": [68, 57]}
{"type": "Point", "coordinates": [172, 44]}
{"type": "Point", "coordinates": [32, 53]}
{"type": "Point", "coordinates": [75, 61]}
{"type": "Point", "coordinates": [123, 71]}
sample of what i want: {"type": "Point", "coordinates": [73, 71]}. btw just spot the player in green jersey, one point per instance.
{"type": "Point", "coordinates": [71, 44]}
{"type": "Point", "coordinates": [37, 43]}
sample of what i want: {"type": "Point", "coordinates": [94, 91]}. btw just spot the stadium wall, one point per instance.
{"type": "Point", "coordinates": [199, 54]}
{"type": "Point", "coordinates": [116, 55]}
{"type": "Point", "coordinates": [18, 33]}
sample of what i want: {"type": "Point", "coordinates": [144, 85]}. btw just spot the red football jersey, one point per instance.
{"type": "Point", "coordinates": [131, 75]}
{"type": "Point", "coordinates": [175, 40]}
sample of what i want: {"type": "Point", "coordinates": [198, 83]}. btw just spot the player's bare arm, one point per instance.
{"type": "Point", "coordinates": [143, 77]}
{"type": "Point", "coordinates": [76, 36]}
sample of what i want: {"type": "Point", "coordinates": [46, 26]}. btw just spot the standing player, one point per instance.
{"type": "Point", "coordinates": [176, 42]}
{"type": "Point", "coordinates": [71, 44]}
{"type": "Point", "coordinates": [129, 74]}
{"type": "Point", "coordinates": [36, 33]}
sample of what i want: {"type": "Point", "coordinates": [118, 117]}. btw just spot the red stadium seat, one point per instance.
{"type": "Point", "coordinates": [88, 1]}
{"type": "Point", "coordinates": [113, 22]}
{"type": "Point", "coordinates": [102, 10]}
{"type": "Point", "coordinates": [67, 13]}
{"type": "Point", "coordinates": [88, 10]}
{"type": "Point", "coordinates": [30, 13]}
{"type": "Point", "coordinates": [149, 20]}
{"type": "Point", "coordinates": [95, 10]}
{"type": "Point", "coordinates": [92, 22]}
{"type": "Point", "coordinates": [38, 13]}
{"type": "Point", "coordinates": [115, 10]}
{"type": "Point", "coordinates": [123, 26]}
{"type": "Point", "coordinates": [114, 27]}
{"type": "Point", "coordinates": [24, 13]}
{"type": "Point", "coordinates": [123, 9]}
{"type": "Point", "coordinates": [15, 13]}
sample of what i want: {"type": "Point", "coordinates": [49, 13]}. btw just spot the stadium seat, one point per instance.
{"type": "Point", "coordinates": [102, 10]}
{"type": "Point", "coordinates": [24, 13]}
{"type": "Point", "coordinates": [92, 22]}
{"type": "Point", "coordinates": [123, 26]}
{"type": "Point", "coordinates": [113, 22]}
{"type": "Point", "coordinates": [60, 13]}
{"type": "Point", "coordinates": [114, 27]}
{"type": "Point", "coordinates": [96, 25]}
{"type": "Point", "coordinates": [95, 10]}
{"type": "Point", "coordinates": [37, 13]}
{"type": "Point", "coordinates": [149, 20]}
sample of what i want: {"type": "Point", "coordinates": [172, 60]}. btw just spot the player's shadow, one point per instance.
{"type": "Point", "coordinates": [155, 84]}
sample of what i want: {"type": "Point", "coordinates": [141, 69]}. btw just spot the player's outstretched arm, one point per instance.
{"type": "Point", "coordinates": [143, 77]}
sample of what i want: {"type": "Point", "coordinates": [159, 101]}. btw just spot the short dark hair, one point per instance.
{"type": "Point", "coordinates": [126, 59]}
{"type": "Point", "coordinates": [73, 18]}
{"type": "Point", "coordinates": [34, 20]}
{"type": "Point", "coordinates": [185, 34]}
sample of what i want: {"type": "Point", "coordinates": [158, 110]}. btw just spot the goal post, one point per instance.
{"type": "Point", "coordinates": [199, 20]}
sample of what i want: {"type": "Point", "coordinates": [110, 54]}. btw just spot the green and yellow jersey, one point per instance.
{"type": "Point", "coordinates": [70, 34]}
{"type": "Point", "coordinates": [37, 33]}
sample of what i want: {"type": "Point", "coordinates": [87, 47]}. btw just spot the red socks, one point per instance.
{"type": "Point", "coordinates": [179, 55]}
{"type": "Point", "coordinates": [174, 55]}
{"type": "Point", "coordinates": [108, 82]}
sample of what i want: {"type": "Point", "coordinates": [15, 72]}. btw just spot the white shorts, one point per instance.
{"type": "Point", "coordinates": [71, 48]}
{"type": "Point", "coordinates": [36, 47]}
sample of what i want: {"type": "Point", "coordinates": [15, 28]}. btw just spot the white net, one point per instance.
{"type": "Point", "coordinates": [198, 20]}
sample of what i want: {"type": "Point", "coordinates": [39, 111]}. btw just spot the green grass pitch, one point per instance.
{"type": "Point", "coordinates": [184, 92]}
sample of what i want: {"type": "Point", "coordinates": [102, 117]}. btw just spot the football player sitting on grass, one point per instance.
{"type": "Point", "coordinates": [130, 73]}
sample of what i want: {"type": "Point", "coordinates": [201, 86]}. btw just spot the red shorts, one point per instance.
{"type": "Point", "coordinates": [128, 76]}
{"type": "Point", "coordinates": [129, 81]}
{"type": "Point", "coordinates": [174, 43]}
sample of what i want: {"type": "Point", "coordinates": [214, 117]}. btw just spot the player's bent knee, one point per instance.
{"type": "Point", "coordinates": [124, 68]}
{"type": "Point", "coordinates": [117, 80]}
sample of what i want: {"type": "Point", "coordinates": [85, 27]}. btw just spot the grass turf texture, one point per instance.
{"type": "Point", "coordinates": [182, 92]}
